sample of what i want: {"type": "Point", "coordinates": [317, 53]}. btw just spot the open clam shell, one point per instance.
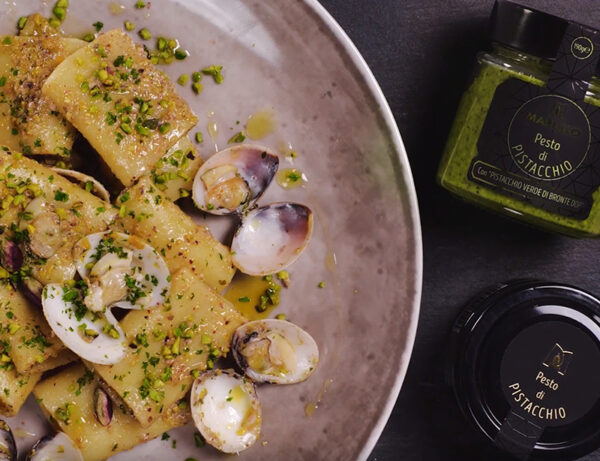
{"type": "Point", "coordinates": [95, 337]}
{"type": "Point", "coordinates": [8, 447]}
{"type": "Point", "coordinates": [274, 351]}
{"type": "Point", "coordinates": [87, 182]}
{"type": "Point", "coordinates": [55, 447]}
{"type": "Point", "coordinates": [122, 270]}
{"type": "Point", "coordinates": [270, 238]}
{"type": "Point", "coordinates": [226, 410]}
{"type": "Point", "coordinates": [233, 179]}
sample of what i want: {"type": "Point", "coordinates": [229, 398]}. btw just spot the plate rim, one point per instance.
{"type": "Point", "coordinates": [385, 111]}
{"type": "Point", "coordinates": [365, 76]}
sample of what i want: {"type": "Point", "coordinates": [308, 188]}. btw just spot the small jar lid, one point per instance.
{"type": "Point", "coordinates": [526, 29]}
{"type": "Point", "coordinates": [524, 366]}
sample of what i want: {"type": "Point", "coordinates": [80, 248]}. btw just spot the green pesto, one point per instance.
{"type": "Point", "coordinates": [461, 146]}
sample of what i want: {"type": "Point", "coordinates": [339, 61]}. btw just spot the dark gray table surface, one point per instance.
{"type": "Point", "coordinates": [421, 52]}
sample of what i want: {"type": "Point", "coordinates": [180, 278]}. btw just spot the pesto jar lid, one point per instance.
{"type": "Point", "coordinates": [521, 27]}
{"type": "Point", "coordinates": [524, 367]}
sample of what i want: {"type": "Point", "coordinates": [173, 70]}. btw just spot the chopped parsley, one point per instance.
{"type": "Point", "coordinates": [61, 196]}
{"type": "Point", "coordinates": [87, 378]}
{"type": "Point", "coordinates": [135, 291]}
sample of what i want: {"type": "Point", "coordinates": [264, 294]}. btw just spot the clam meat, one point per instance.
{"type": "Point", "coordinates": [121, 270]}
{"type": "Point", "coordinates": [274, 351]}
{"type": "Point", "coordinates": [226, 410]}
{"type": "Point", "coordinates": [233, 179]}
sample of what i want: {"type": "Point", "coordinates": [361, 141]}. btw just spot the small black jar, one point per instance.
{"type": "Point", "coordinates": [525, 368]}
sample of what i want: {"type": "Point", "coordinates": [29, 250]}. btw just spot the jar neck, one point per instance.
{"type": "Point", "coordinates": [535, 65]}
{"type": "Point", "coordinates": [519, 57]}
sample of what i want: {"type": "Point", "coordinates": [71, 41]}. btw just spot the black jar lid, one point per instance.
{"type": "Point", "coordinates": [525, 367]}
{"type": "Point", "coordinates": [526, 29]}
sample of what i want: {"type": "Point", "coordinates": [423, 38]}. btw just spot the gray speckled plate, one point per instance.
{"type": "Point", "coordinates": [291, 57]}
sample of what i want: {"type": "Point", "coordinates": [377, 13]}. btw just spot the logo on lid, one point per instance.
{"type": "Point", "coordinates": [558, 359]}
{"type": "Point", "coordinates": [582, 48]}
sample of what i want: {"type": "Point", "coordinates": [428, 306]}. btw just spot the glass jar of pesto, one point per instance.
{"type": "Point", "coordinates": [526, 137]}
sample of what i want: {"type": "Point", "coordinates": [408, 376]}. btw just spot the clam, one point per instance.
{"type": "Point", "coordinates": [226, 410]}
{"type": "Point", "coordinates": [55, 447]}
{"type": "Point", "coordinates": [94, 336]}
{"type": "Point", "coordinates": [274, 351]}
{"type": "Point", "coordinates": [271, 238]}
{"type": "Point", "coordinates": [8, 447]}
{"type": "Point", "coordinates": [233, 179]}
{"type": "Point", "coordinates": [116, 270]}
{"type": "Point", "coordinates": [85, 181]}
{"type": "Point", "coordinates": [43, 223]}
{"type": "Point", "coordinates": [121, 270]}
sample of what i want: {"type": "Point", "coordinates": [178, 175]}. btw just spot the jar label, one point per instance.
{"type": "Point", "coordinates": [540, 144]}
{"type": "Point", "coordinates": [545, 374]}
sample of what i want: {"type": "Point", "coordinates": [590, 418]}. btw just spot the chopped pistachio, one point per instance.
{"type": "Point", "coordinates": [103, 75]}
{"type": "Point", "coordinates": [140, 4]}
{"type": "Point", "coordinates": [183, 79]}
{"type": "Point", "coordinates": [126, 128]}
{"type": "Point", "coordinates": [198, 137]}
{"type": "Point", "coordinates": [280, 316]}
{"type": "Point", "coordinates": [143, 130]}
{"type": "Point", "coordinates": [180, 55]}
{"type": "Point", "coordinates": [284, 276]}
{"type": "Point", "coordinates": [197, 87]}
{"type": "Point", "coordinates": [206, 339]}
{"type": "Point", "coordinates": [215, 72]}
{"type": "Point", "coordinates": [129, 26]}
{"type": "Point", "coordinates": [145, 34]}
{"type": "Point", "coordinates": [54, 23]}
{"type": "Point", "coordinates": [59, 13]}
{"type": "Point", "coordinates": [62, 213]}
{"type": "Point", "coordinates": [166, 352]}
{"type": "Point", "coordinates": [91, 333]}
{"type": "Point", "coordinates": [321, 285]}
{"type": "Point", "coordinates": [175, 346]}
{"type": "Point", "coordinates": [238, 137]}
{"type": "Point", "coordinates": [21, 23]}
{"type": "Point", "coordinates": [88, 37]}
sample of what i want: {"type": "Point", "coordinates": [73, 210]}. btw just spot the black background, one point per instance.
{"type": "Point", "coordinates": [421, 52]}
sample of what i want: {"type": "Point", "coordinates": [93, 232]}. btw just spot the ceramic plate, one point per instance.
{"type": "Point", "coordinates": [290, 57]}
